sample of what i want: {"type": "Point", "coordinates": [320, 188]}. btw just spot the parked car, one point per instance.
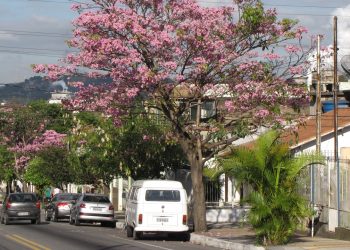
{"type": "Point", "coordinates": [156, 206]}
{"type": "Point", "coordinates": [20, 206]}
{"type": "Point", "coordinates": [93, 208]}
{"type": "Point", "coordinates": [59, 207]}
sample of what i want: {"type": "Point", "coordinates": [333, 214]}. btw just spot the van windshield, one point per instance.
{"type": "Point", "coordinates": [162, 195]}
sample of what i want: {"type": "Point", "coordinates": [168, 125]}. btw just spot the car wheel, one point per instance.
{"type": "Point", "coordinates": [6, 219]}
{"type": "Point", "coordinates": [129, 231]}
{"type": "Point", "coordinates": [185, 236]}
{"type": "Point", "coordinates": [112, 224]}
{"type": "Point", "coordinates": [76, 221]}
{"type": "Point", "coordinates": [33, 221]}
{"type": "Point", "coordinates": [54, 216]}
{"type": "Point", "coordinates": [136, 235]}
{"type": "Point", "coordinates": [71, 221]}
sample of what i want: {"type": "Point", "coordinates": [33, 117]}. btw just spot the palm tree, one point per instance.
{"type": "Point", "coordinates": [272, 172]}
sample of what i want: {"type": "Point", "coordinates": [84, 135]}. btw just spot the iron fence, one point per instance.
{"type": "Point", "coordinates": [327, 187]}
{"type": "Point", "coordinates": [213, 192]}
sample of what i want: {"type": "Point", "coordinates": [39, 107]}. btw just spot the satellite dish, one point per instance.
{"type": "Point", "coordinates": [345, 64]}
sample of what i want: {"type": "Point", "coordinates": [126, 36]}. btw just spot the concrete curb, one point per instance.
{"type": "Point", "coordinates": [223, 244]}
{"type": "Point", "coordinates": [119, 225]}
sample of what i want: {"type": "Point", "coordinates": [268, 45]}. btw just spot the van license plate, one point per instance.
{"type": "Point", "coordinates": [162, 219]}
{"type": "Point", "coordinates": [23, 213]}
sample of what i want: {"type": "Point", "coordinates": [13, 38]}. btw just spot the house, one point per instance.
{"type": "Point", "coordinates": [325, 179]}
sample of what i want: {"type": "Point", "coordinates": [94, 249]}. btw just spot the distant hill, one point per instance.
{"type": "Point", "coordinates": [36, 88]}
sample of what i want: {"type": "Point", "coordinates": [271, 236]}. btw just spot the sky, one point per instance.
{"type": "Point", "coordinates": [35, 31]}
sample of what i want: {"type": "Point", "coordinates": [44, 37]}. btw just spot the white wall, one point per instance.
{"type": "Point", "coordinates": [327, 144]}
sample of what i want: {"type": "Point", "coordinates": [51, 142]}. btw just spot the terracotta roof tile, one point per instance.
{"type": "Point", "coordinates": [307, 132]}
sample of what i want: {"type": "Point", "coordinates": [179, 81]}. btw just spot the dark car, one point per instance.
{"type": "Point", "coordinates": [20, 206]}
{"type": "Point", "coordinates": [60, 205]}
{"type": "Point", "coordinates": [93, 208]}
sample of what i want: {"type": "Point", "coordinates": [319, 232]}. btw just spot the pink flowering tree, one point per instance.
{"type": "Point", "coordinates": [49, 138]}
{"type": "Point", "coordinates": [25, 130]}
{"type": "Point", "coordinates": [213, 73]}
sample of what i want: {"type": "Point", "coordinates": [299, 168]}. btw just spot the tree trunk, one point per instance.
{"type": "Point", "coordinates": [198, 209]}
{"type": "Point", "coordinates": [192, 147]}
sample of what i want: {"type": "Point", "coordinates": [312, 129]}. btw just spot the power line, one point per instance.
{"type": "Point", "coordinates": [40, 49]}
{"type": "Point", "coordinates": [49, 1]}
{"type": "Point", "coordinates": [34, 33]}
{"type": "Point", "coordinates": [30, 53]}
{"type": "Point", "coordinates": [220, 2]}
{"type": "Point", "coordinates": [277, 5]}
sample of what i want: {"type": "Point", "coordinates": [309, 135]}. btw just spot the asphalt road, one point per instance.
{"type": "Point", "coordinates": [62, 236]}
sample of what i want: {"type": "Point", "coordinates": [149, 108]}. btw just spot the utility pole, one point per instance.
{"type": "Point", "coordinates": [335, 104]}
{"type": "Point", "coordinates": [318, 97]}
{"type": "Point", "coordinates": [318, 129]}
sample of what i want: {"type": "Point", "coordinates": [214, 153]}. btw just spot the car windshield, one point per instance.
{"type": "Point", "coordinates": [95, 198]}
{"type": "Point", "coordinates": [22, 198]}
{"type": "Point", "coordinates": [67, 197]}
{"type": "Point", "coordinates": [162, 195]}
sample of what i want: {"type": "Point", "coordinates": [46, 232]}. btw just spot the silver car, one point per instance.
{"type": "Point", "coordinates": [93, 208]}
{"type": "Point", "coordinates": [60, 206]}
{"type": "Point", "coordinates": [20, 206]}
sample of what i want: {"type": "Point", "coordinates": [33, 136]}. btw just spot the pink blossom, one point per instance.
{"type": "Point", "coordinates": [229, 105]}
{"type": "Point", "coordinates": [47, 139]}
{"type": "Point", "coordinates": [39, 68]}
{"type": "Point", "coordinates": [76, 84]}
{"type": "Point", "coordinates": [296, 69]}
{"type": "Point", "coordinates": [299, 31]}
{"type": "Point", "coordinates": [179, 45]}
{"type": "Point", "coordinates": [292, 48]}
{"type": "Point", "coordinates": [271, 56]}
{"type": "Point", "coordinates": [262, 113]}
{"type": "Point", "coordinates": [21, 162]}
{"type": "Point", "coordinates": [75, 7]}
{"type": "Point", "coordinates": [132, 92]}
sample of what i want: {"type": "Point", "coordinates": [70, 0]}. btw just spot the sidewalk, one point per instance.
{"type": "Point", "coordinates": [227, 236]}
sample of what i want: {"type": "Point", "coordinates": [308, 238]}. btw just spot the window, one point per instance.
{"type": "Point", "coordinates": [22, 198]}
{"type": "Point", "coordinates": [68, 197]}
{"type": "Point", "coordinates": [131, 193]}
{"type": "Point", "coordinates": [162, 195]}
{"type": "Point", "coordinates": [208, 110]}
{"type": "Point", "coordinates": [134, 195]}
{"type": "Point", "coordinates": [93, 198]}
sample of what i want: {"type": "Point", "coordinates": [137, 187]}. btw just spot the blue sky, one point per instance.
{"type": "Point", "coordinates": [34, 31]}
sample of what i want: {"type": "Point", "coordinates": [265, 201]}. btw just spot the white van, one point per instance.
{"type": "Point", "coordinates": [156, 206]}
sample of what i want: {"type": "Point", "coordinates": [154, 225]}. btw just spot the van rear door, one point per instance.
{"type": "Point", "coordinates": [163, 208]}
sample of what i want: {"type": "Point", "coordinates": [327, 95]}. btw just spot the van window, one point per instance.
{"type": "Point", "coordinates": [162, 195]}
{"type": "Point", "coordinates": [131, 193]}
{"type": "Point", "coordinates": [134, 194]}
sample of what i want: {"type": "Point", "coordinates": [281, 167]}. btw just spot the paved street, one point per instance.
{"type": "Point", "coordinates": [62, 236]}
